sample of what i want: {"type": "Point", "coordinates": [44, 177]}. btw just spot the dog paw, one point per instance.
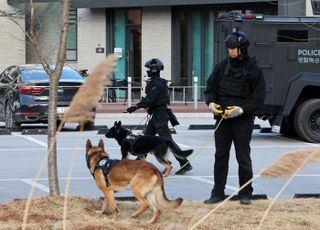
{"type": "Point", "coordinates": [104, 212]}
{"type": "Point", "coordinates": [166, 173]}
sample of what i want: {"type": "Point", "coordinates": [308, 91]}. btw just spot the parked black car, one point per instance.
{"type": "Point", "coordinates": [24, 94]}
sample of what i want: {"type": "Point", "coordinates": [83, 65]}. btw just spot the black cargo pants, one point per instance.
{"type": "Point", "coordinates": [237, 130]}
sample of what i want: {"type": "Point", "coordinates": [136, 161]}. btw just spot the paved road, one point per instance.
{"type": "Point", "coordinates": [22, 156]}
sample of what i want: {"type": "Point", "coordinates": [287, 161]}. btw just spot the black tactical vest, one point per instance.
{"type": "Point", "coordinates": [161, 84]}
{"type": "Point", "coordinates": [235, 82]}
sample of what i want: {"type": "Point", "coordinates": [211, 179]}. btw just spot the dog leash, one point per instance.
{"type": "Point", "coordinates": [205, 142]}
{"type": "Point", "coordinates": [148, 118]}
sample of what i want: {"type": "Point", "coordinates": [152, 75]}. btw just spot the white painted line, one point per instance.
{"type": "Point", "coordinates": [183, 146]}
{"type": "Point", "coordinates": [43, 144]}
{"type": "Point", "coordinates": [170, 177]}
{"type": "Point", "coordinates": [202, 180]}
{"type": "Point", "coordinates": [211, 182]}
{"type": "Point", "coordinates": [36, 185]}
{"type": "Point", "coordinates": [63, 148]}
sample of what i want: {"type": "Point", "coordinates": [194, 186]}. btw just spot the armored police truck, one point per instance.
{"type": "Point", "coordinates": [288, 51]}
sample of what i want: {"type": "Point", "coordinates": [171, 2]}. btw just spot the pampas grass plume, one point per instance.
{"type": "Point", "coordinates": [288, 163]}
{"type": "Point", "coordinates": [90, 92]}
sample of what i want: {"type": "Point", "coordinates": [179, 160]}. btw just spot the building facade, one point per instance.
{"type": "Point", "coordinates": [180, 33]}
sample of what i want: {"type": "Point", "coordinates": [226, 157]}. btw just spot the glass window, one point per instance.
{"type": "Point", "coordinates": [292, 36]}
{"type": "Point", "coordinates": [71, 53]}
{"type": "Point", "coordinates": [315, 7]}
{"type": "Point", "coordinates": [37, 75]}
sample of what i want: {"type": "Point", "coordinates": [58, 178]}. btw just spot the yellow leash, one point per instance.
{"type": "Point", "coordinates": [204, 143]}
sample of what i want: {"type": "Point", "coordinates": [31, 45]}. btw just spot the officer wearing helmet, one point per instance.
{"type": "Point", "coordinates": [235, 90]}
{"type": "Point", "coordinates": [156, 102]}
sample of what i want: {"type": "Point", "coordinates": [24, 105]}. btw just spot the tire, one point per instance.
{"type": "Point", "coordinates": [307, 120]}
{"type": "Point", "coordinates": [58, 124]}
{"type": "Point", "coordinates": [9, 120]}
{"type": "Point", "coordinates": [88, 125]}
{"type": "Point", "coordinates": [287, 127]}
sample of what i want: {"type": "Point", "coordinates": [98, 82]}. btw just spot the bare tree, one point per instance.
{"type": "Point", "coordinates": [54, 72]}
{"type": "Point", "coordinates": [53, 93]}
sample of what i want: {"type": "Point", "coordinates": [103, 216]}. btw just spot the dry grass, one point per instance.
{"type": "Point", "coordinates": [91, 91]}
{"type": "Point", "coordinates": [288, 163]}
{"type": "Point", "coordinates": [84, 214]}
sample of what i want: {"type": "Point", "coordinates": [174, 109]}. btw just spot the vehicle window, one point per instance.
{"type": "Point", "coordinates": [12, 75]}
{"type": "Point", "coordinates": [40, 75]}
{"type": "Point", "coordinates": [292, 36]}
{"type": "Point", "coordinates": [5, 77]}
{"type": "Point", "coordinates": [2, 76]}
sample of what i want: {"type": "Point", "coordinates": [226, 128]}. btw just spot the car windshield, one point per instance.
{"type": "Point", "coordinates": [38, 75]}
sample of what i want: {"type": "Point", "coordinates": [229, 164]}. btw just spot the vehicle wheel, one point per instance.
{"type": "Point", "coordinates": [287, 127]}
{"type": "Point", "coordinates": [307, 120]}
{"type": "Point", "coordinates": [58, 124]}
{"type": "Point", "coordinates": [88, 125]}
{"type": "Point", "coordinates": [9, 120]}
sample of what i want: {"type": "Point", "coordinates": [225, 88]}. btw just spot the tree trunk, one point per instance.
{"type": "Point", "coordinates": [52, 144]}
{"type": "Point", "coordinates": [52, 116]}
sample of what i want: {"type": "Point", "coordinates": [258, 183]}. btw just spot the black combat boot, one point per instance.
{"type": "Point", "coordinates": [184, 169]}
{"type": "Point", "coordinates": [213, 199]}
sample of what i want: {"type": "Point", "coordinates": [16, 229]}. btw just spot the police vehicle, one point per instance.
{"type": "Point", "coordinates": [288, 51]}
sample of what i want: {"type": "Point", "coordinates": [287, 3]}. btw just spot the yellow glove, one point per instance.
{"type": "Point", "coordinates": [233, 111]}
{"type": "Point", "coordinates": [215, 108]}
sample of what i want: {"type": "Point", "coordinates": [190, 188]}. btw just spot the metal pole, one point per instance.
{"type": "Point", "coordinates": [173, 97]}
{"type": "Point", "coordinates": [129, 91]}
{"type": "Point", "coordinates": [195, 92]}
{"type": "Point", "coordinates": [107, 99]}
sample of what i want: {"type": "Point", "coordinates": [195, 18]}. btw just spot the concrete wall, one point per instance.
{"type": "Point", "coordinates": [48, 24]}
{"type": "Point", "coordinates": [12, 45]}
{"type": "Point", "coordinates": [156, 37]}
{"type": "Point", "coordinates": [91, 35]}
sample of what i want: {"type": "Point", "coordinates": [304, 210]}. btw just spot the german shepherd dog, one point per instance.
{"type": "Point", "coordinates": [139, 145]}
{"type": "Point", "coordinates": [145, 179]}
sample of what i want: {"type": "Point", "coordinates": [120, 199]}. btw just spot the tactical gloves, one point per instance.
{"type": "Point", "coordinates": [215, 108]}
{"type": "Point", "coordinates": [131, 109]}
{"type": "Point", "coordinates": [233, 111]}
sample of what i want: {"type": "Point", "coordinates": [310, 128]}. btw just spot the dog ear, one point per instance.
{"type": "Point", "coordinates": [101, 144]}
{"type": "Point", "coordinates": [119, 123]}
{"type": "Point", "coordinates": [115, 123]}
{"type": "Point", "coordinates": [88, 145]}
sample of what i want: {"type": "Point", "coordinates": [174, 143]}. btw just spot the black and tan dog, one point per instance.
{"type": "Point", "coordinates": [139, 145]}
{"type": "Point", "coordinates": [145, 179]}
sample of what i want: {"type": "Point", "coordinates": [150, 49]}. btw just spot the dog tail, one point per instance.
{"type": "Point", "coordinates": [157, 197]}
{"type": "Point", "coordinates": [175, 149]}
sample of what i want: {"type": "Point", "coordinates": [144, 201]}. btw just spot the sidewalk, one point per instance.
{"type": "Point", "coordinates": [176, 108]}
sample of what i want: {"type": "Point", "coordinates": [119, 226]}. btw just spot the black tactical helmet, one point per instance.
{"type": "Point", "coordinates": [239, 40]}
{"type": "Point", "coordinates": [154, 65]}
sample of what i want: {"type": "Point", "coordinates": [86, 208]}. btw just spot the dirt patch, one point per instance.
{"type": "Point", "coordinates": [84, 214]}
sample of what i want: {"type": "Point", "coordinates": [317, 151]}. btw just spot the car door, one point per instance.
{"type": "Point", "coordinates": [3, 89]}
{"type": "Point", "coordinates": [8, 88]}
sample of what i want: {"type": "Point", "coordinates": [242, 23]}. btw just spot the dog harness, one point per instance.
{"type": "Point", "coordinates": [105, 164]}
{"type": "Point", "coordinates": [131, 139]}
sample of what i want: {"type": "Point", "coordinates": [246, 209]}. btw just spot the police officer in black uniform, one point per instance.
{"type": "Point", "coordinates": [235, 90]}
{"type": "Point", "coordinates": [156, 101]}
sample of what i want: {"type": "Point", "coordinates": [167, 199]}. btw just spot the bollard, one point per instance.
{"type": "Point", "coordinates": [195, 92]}
{"type": "Point", "coordinates": [129, 91]}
